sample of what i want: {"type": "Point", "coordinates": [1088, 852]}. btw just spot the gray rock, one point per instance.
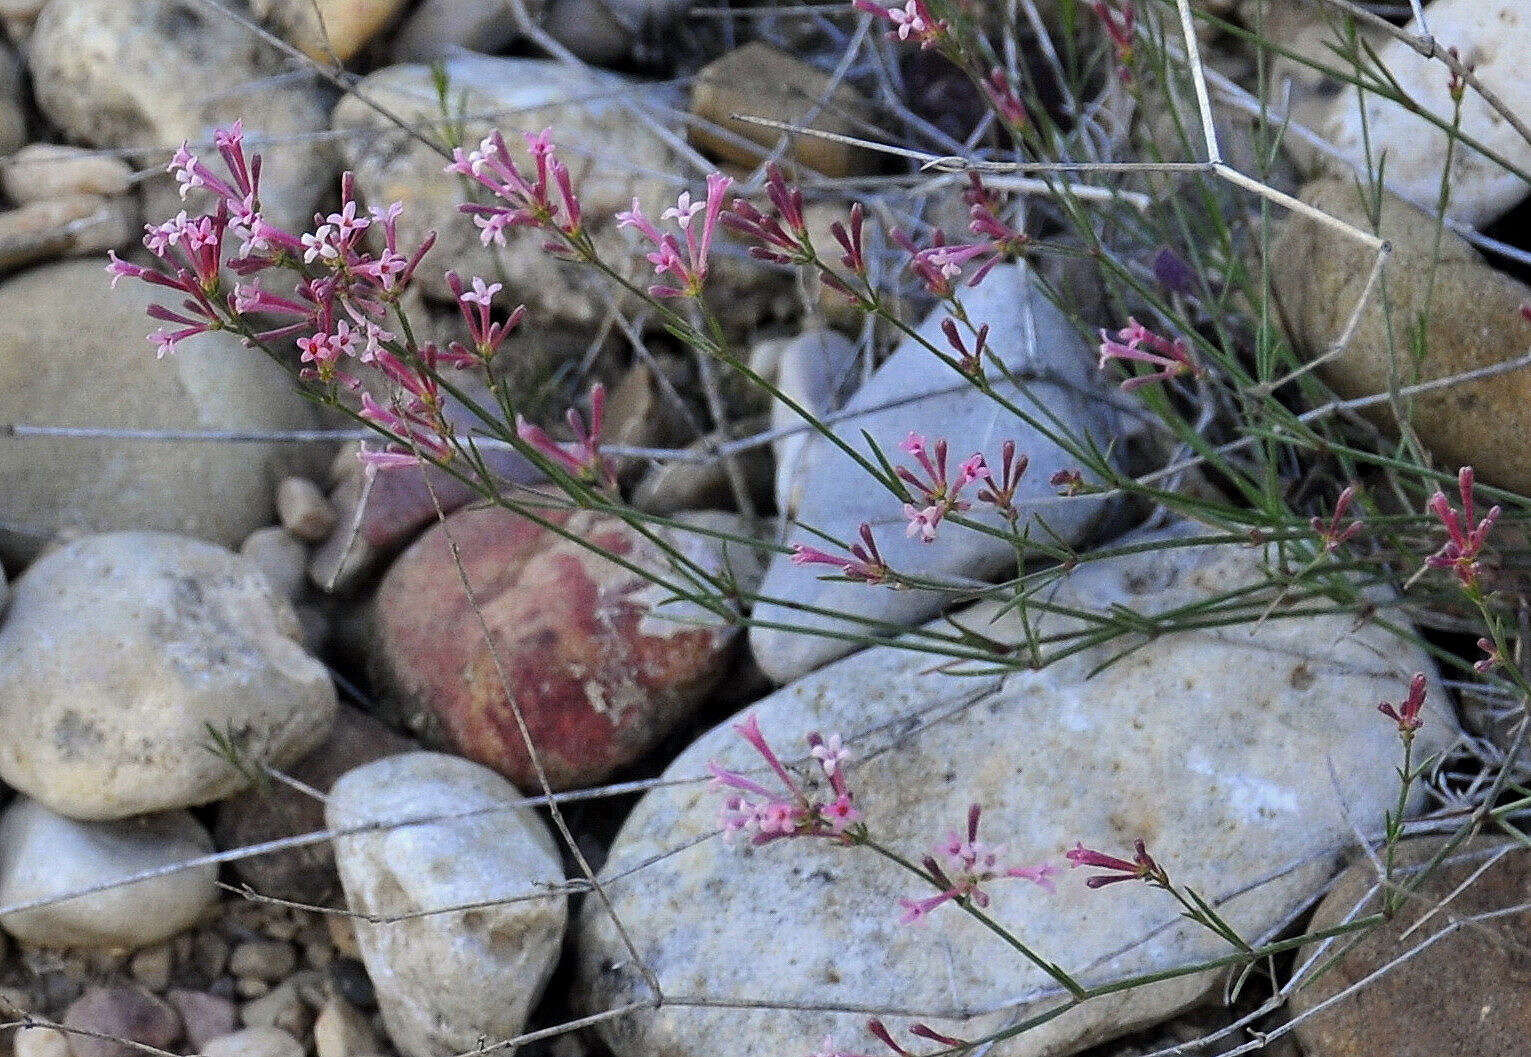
{"type": "Point", "coordinates": [439, 29]}
{"type": "Point", "coordinates": [43, 855]}
{"type": "Point", "coordinates": [1243, 755]}
{"type": "Point", "coordinates": [51, 170]}
{"type": "Point", "coordinates": [813, 369]}
{"type": "Point", "coordinates": [263, 959]}
{"type": "Point", "coordinates": [606, 31]}
{"type": "Point", "coordinates": [60, 366]}
{"type": "Point", "coordinates": [447, 982]}
{"type": "Point", "coordinates": [609, 151]}
{"type": "Point", "coordinates": [281, 556]}
{"type": "Point", "coordinates": [151, 73]}
{"type": "Point", "coordinates": [126, 654]}
{"type": "Point", "coordinates": [13, 115]}
{"type": "Point", "coordinates": [1491, 36]}
{"type": "Point", "coordinates": [341, 1030]}
{"type": "Point", "coordinates": [825, 489]}
{"type": "Point", "coordinates": [254, 1042]}
{"type": "Point", "coordinates": [128, 1014]}
{"type": "Point", "coordinates": [204, 1016]}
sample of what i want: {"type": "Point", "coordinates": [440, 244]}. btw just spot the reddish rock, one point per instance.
{"type": "Point", "coordinates": [305, 874]}
{"type": "Point", "coordinates": [125, 1014]}
{"type": "Point", "coordinates": [601, 667]}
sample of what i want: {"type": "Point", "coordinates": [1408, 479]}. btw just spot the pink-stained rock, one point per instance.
{"type": "Point", "coordinates": [600, 663]}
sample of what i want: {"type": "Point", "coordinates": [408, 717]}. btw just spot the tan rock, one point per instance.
{"type": "Point", "coordinates": [1474, 321]}
{"type": "Point", "coordinates": [60, 227]}
{"type": "Point", "coordinates": [53, 170]}
{"type": "Point", "coordinates": [341, 1030]}
{"type": "Point", "coordinates": [757, 80]}
{"type": "Point", "coordinates": [254, 1042]}
{"type": "Point", "coordinates": [303, 509]}
{"type": "Point", "coordinates": [327, 30]}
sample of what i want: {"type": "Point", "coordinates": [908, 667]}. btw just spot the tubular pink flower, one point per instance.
{"type": "Point", "coordinates": [938, 496]}
{"type": "Point", "coordinates": [1492, 658]}
{"type": "Point", "coordinates": [865, 564]}
{"type": "Point", "coordinates": [688, 271]}
{"type": "Point", "coordinates": [1000, 493]}
{"type": "Point", "coordinates": [1333, 532]}
{"type": "Point", "coordinates": [912, 23]}
{"type": "Point", "coordinates": [1463, 549]}
{"type": "Point", "coordinates": [475, 305]}
{"type": "Point", "coordinates": [585, 461]}
{"type": "Point", "coordinates": [938, 265]}
{"type": "Point", "coordinates": [961, 865]}
{"type": "Point", "coordinates": [1140, 868]}
{"type": "Point", "coordinates": [768, 814]}
{"type": "Point", "coordinates": [1173, 358]}
{"type": "Point", "coordinates": [1406, 715]}
{"type": "Point", "coordinates": [1118, 18]}
{"type": "Point", "coordinates": [1006, 103]}
{"type": "Point", "coordinates": [529, 199]}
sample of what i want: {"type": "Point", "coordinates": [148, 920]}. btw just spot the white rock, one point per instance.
{"type": "Point", "coordinates": [124, 654]}
{"type": "Point", "coordinates": [447, 982]}
{"type": "Point", "coordinates": [827, 490]}
{"type": "Point", "coordinates": [43, 854]}
{"type": "Point", "coordinates": [609, 151]}
{"type": "Point", "coordinates": [254, 1042]}
{"type": "Point", "coordinates": [151, 73]}
{"type": "Point", "coordinates": [52, 170]}
{"type": "Point", "coordinates": [1244, 756]}
{"type": "Point", "coordinates": [41, 1042]}
{"type": "Point", "coordinates": [814, 370]}
{"type": "Point", "coordinates": [66, 367]}
{"type": "Point", "coordinates": [1494, 38]}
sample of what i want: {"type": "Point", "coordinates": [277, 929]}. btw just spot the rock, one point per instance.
{"type": "Point", "coordinates": [757, 80]}
{"type": "Point", "coordinates": [13, 114]}
{"type": "Point", "coordinates": [640, 415]}
{"type": "Point", "coordinates": [328, 31]}
{"type": "Point", "coordinates": [831, 493]}
{"type": "Point", "coordinates": [125, 654]}
{"type": "Point", "coordinates": [41, 1042]}
{"type": "Point", "coordinates": [152, 966]}
{"type": "Point", "coordinates": [607, 31]}
{"type": "Point", "coordinates": [341, 1030]}
{"type": "Point", "coordinates": [814, 369]}
{"type": "Point", "coordinates": [43, 855]}
{"type": "Point", "coordinates": [51, 170]}
{"type": "Point", "coordinates": [448, 981]}
{"type": "Point", "coordinates": [1474, 318]}
{"type": "Point", "coordinates": [610, 152]}
{"type": "Point", "coordinates": [254, 1042]}
{"type": "Point", "coordinates": [668, 487]}
{"type": "Point", "coordinates": [602, 668]}
{"type": "Point", "coordinates": [1241, 723]}
{"type": "Point", "coordinates": [268, 960]}
{"type": "Point", "coordinates": [349, 977]}
{"type": "Point", "coordinates": [1493, 38]}
{"type": "Point", "coordinates": [437, 29]}
{"type": "Point", "coordinates": [205, 1016]}
{"type": "Point", "coordinates": [1463, 993]}
{"type": "Point", "coordinates": [59, 227]}
{"type": "Point", "coordinates": [281, 556]}
{"type": "Point", "coordinates": [303, 509]}
{"type": "Point", "coordinates": [128, 1013]}
{"type": "Point", "coordinates": [280, 1007]}
{"type": "Point", "coordinates": [63, 367]}
{"type": "Point", "coordinates": [151, 73]}
{"type": "Point", "coordinates": [277, 810]}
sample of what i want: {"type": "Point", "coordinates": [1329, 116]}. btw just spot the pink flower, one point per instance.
{"type": "Point", "coordinates": [1141, 867]}
{"type": "Point", "coordinates": [1492, 658]}
{"type": "Point", "coordinates": [1332, 532]}
{"type": "Point", "coordinates": [1118, 18]}
{"type": "Point", "coordinates": [1004, 240]}
{"type": "Point", "coordinates": [529, 196]}
{"type": "Point", "coordinates": [851, 241]}
{"type": "Point", "coordinates": [1406, 715]}
{"type": "Point", "coordinates": [865, 564]}
{"type": "Point", "coordinates": [940, 265]}
{"type": "Point", "coordinates": [969, 360]}
{"type": "Point", "coordinates": [792, 811]}
{"type": "Point", "coordinates": [938, 494]}
{"type": "Point", "coordinates": [1067, 482]}
{"type": "Point", "coordinates": [1000, 493]}
{"type": "Point", "coordinates": [585, 461]}
{"type": "Point", "coordinates": [1006, 103]}
{"type": "Point", "coordinates": [475, 304]}
{"type": "Point", "coordinates": [961, 866]}
{"type": "Point", "coordinates": [1463, 548]}
{"type": "Point", "coordinates": [1173, 358]}
{"type": "Point", "coordinates": [688, 271]}
{"type": "Point", "coordinates": [913, 22]}
{"type": "Point", "coordinates": [781, 236]}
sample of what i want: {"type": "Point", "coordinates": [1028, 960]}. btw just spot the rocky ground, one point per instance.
{"type": "Point", "coordinates": [209, 646]}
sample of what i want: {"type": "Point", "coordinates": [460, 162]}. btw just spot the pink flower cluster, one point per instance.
{"type": "Point", "coordinates": [1406, 715]}
{"type": "Point", "coordinates": [583, 459]}
{"type": "Point", "coordinates": [884, 1036]}
{"type": "Point", "coordinates": [1463, 550]}
{"type": "Point", "coordinates": [937, 494]}
{"type": "Point", "coordinates": [1137, 343]}
{"type": "Point", "coordinates": [766, 814]}
{"type": "Point", "coordinates": [1141, 867]}
{"type": "Point", "coordinates": [865, 565]}
{"type": "Point", "coordinates": [529, 197]}
{"type": "Point", "coordinates": [350, 271]}
{"type": "Point", "coordinates": [1334, 532]}
{"type": "Point", "coordinates": [688, 272]}
{"type": "Point", "coordinates": [912, 23]}
{"type": "Point", "coordinates": [960, 865]}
